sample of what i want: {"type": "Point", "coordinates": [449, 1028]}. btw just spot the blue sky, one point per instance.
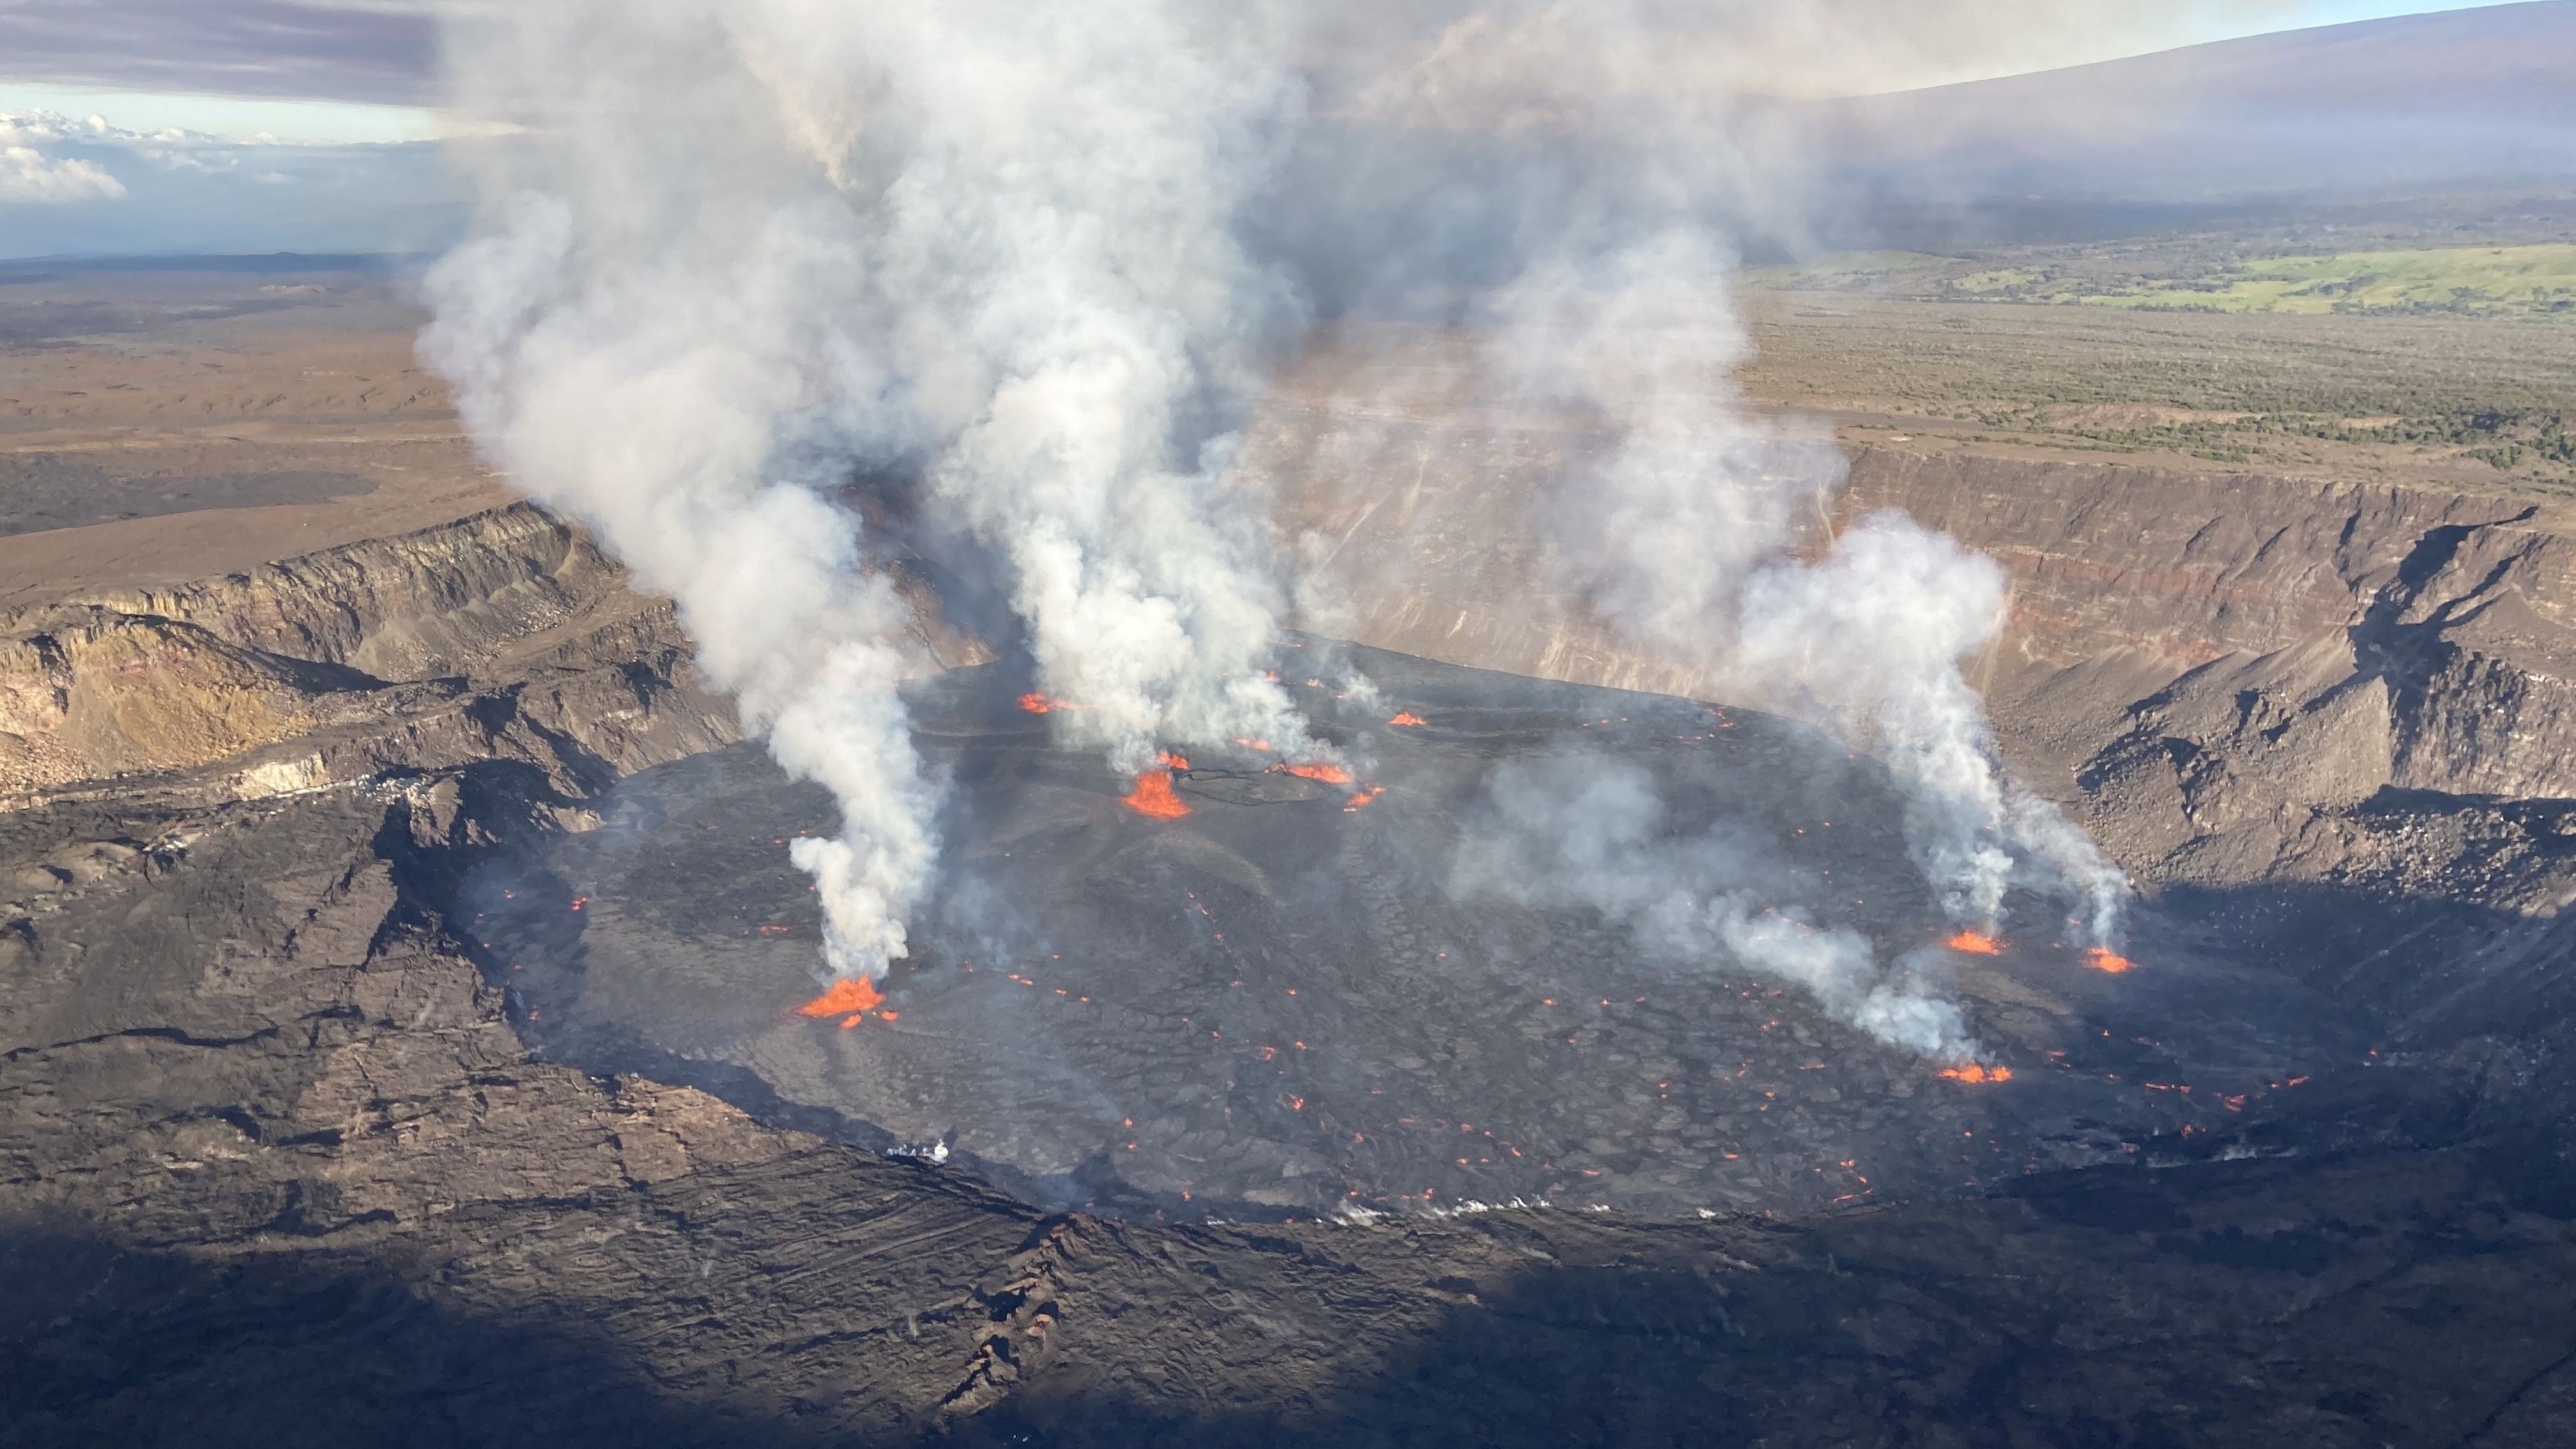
{"type": "Point", "coordinates": [2335, 12]}
{"type": "Point", "coordinates": [354, 123]}
{"type": "Point", "coordinates": [2230, 19]}
{"type": "Point", "coordinates": [307, 125]}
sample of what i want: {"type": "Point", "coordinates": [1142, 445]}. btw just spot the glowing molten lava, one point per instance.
{"type": "Point", "coordinates": [1153, 796]}
{"type": "Point", "coordinates": [1363, 799]}
{"type": "Point", "coordinates": [1409, 719]}
{"type": "Point", "coordinates": [2103, 958]}
{"type": "Point", "coordinates": [851, 996]}
{"type": "Point", "coordinates": [1329, 774]}
{"type": "Point", "coordinates": [1977, 1072]}
{"type": "Point", "coordinates": [1975, 943]}
{"type": "Point", "coordinates": [1036, 703]}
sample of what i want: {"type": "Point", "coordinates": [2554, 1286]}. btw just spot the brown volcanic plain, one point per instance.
{"type": "Point", "coordinates": [289, 1153]}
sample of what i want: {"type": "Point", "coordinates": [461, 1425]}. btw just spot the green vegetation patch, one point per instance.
{"type": "Point", "coordinates": [2519, 281]}
{"type": "Point", "coordinates": [2535, 444]}
{"type": "Point", "coordinates": [2245, 388]}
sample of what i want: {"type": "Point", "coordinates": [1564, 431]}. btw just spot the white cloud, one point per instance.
{"type": "Point", "coordinates": [160, 143]}
{"type": "Point", "coordinates": [29, 175]}
{"type": "Point", "coordinates": [33, 173]}
{"type": "Point", "coordinates": [177, 190]}
{"type": "Point", "coordinates": [331, 123]}
{"type": "Point", "coordinates": [49, 158]}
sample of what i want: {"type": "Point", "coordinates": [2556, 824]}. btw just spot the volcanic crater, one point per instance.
{"type": "Point", "coordinates": [406, 1036]}
{"type": "Point", "coordinates": [1287, 1001]}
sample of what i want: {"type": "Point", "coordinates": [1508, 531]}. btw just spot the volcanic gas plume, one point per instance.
{"type": "Point", "coordinates": [1684, 537]}
{"type": "Point", "coordinates": [880, 259]}
{"type": "Point", "coordinates": [761, 249]}
{"type": "Point", "coordinates": [1650, 963]}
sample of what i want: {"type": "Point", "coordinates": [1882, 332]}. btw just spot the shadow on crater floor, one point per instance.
{"type": "Point", "coordinates": [2407, 1299]}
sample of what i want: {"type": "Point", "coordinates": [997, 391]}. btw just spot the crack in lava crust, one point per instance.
{"type": "Point", "coordinates": [1272, 1003]}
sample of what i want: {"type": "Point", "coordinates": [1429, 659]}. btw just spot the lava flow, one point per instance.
{"type": "Point", "coordinates": [1036, 703]}
{"type": "Point", "coordinates": [851, 996]}
{"type": "Point", "coordinates": [1153, 795]}
{"type": "Point", "coordinates": [1977, 1072]}
{"type": "Point", "coordinates": [2103, 958]}
{"type": "Point", "coordinates": [1328, 774]}
{"type": "Point", "coordinates": [1409, 719]}
{"type": "Point", "coordinates": [1975, 943]}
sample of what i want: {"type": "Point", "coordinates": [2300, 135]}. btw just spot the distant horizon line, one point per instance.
{"type": "Point", "coordinates": [346, 121]}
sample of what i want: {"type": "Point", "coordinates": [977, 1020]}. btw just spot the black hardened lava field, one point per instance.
{"type": "Point", "coordinates": [1287, 1001]}
{"type": "Point", "coordinates": [1155, 724]}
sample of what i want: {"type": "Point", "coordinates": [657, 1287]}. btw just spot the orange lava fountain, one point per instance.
{"type": "Point", "coordinates": [851, 996]}
{"type": "Point", "coordinates": [1408, 718]}
{"type": "Point", "coordinates": [2103, 958]}
{"type": "Point", "coordinates": [1329, 774]}
{"type": "Point", "coordinates": [1153, 796]}
{"type": "Point", "coordinates": [1977, 1072]}
{"type": "Point", "coordinates": [1975, 943]}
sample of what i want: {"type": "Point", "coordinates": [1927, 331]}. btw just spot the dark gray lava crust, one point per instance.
{"type": "Point", "coordinates": [1280, 1004]}
{"type": "Point", "coordinates": [277, 1167]}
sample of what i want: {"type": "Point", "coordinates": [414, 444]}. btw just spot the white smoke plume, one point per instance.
{"type": "Point", "coordinates": [1699, 506]}
{"type": "Point", "coordinates": [1682, 534]}
{"type": "Point", "coordinates": [731, 250]}
{"type": "Point", "coordinates": [645, 397]}
{"type": "Point", "coordinates": [1591, 833]}
{"type": "Point", "coordinates": [1871, 637]}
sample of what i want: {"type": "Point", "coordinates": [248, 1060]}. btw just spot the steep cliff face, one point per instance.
{"type": "Point", "coordinates": [2301, 644]}
{"type": "Point", "coordinates": [2241, 679]}
{"type": "Point", "coordinates": [2108, 556]}
{"type": "Point", "coordinates": [2343, 717]}
{"type": "Point", "coordinates": [2454, 616]}
{"type": "Point", "coordinates": [93, 692]}
{"type": "Point", "coordinates": [2230, 680]}
{"type": "Point", "coordinates": [1419, 528]}
{"type": "Point", "coordinates": [503, 635]}
{"type": "Point", "coordinates": [442, 601]}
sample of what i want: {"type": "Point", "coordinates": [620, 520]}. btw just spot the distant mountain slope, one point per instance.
{"type": "Point", "coordinates": [2499, 57]}
{"type": "Point", "coordinates": [2463, 97]}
